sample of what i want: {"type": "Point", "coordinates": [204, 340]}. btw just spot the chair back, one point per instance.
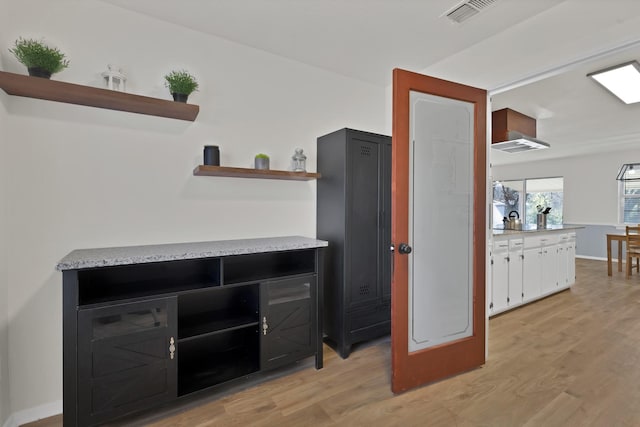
{"type": "Point", "coordinates": [633, 239]}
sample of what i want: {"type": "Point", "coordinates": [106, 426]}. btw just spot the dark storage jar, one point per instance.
{"type": "Point", "coordinates": [211, 155]}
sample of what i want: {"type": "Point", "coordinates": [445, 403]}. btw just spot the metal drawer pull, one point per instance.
{"type": "Point", "coordinates": [172, 347]}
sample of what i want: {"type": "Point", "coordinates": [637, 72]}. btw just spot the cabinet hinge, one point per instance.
{"type": "Point", "coordinates": [508, 300]}
{"type": "Point", "coordinates": [491, 305]}
{"type": "Point", "coordinates": [491, 261]}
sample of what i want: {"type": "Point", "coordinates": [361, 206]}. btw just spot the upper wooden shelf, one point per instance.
{"type": "Point", "coordinates": [206, 170]}
{"type": "Point", "coordinates": [53, 90]}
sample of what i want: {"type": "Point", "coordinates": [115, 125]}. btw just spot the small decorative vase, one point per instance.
{"type": "Point", "coordinates": [261, 163]}
{"type": "Point", "coordinates": [39, 72]}
{"type": "Point", "coordinates": [299, 161]}
{"type": "Point", "coordinates": [180, 97]}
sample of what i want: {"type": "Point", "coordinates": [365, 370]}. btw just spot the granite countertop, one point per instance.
{"type": "Point", "coordinates": [533, 229]}
{"type": "Point", "coordinates": [104, 257]}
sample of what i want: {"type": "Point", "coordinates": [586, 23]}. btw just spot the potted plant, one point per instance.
{"type": "Point", "coordinates": [261, 161]}
{"type": "Point", "coordinates": [181, 84]}
{"type": "Point", "coordinates": [41, 60]}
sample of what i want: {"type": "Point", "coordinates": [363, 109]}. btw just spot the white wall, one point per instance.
{"type": "Point", "coordinates": [81, 177]}
{"type": "Point", "coordinates": [4, 292]}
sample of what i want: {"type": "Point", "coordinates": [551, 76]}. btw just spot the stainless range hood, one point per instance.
{"type": "Point", "coordinates": [513, 132]}
{"type": "Point", "coordinates": [518, 142]}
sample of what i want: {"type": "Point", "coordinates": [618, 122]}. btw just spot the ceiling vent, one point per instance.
{"type": "Point", "coordinates": [465, 10]}
{"type": "Point", "coordinates": [513, 132]}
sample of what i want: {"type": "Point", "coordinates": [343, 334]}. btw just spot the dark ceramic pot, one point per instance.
{"type": "Point", "coordinates": [39, 72]}
{"type": "Point", "coordinates": [180, 97]}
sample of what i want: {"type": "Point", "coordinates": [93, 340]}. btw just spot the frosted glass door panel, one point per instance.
{"type": "Point", "coordinates": [440, 220]}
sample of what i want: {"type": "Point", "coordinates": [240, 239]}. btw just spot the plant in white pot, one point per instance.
{"type": "Point", "coordinates": [181, 84]}
{"type": "Point", "coordinates": [40, 59]}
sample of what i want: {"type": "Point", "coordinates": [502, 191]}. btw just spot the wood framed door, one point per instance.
{"type": "Point", "coordinates": [438, 229]}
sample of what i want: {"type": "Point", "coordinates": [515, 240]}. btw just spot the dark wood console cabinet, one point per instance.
{"type": "Point", "coordinates": [141, 335]}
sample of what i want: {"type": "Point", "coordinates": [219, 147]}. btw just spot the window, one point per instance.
{"type": "Point", "coordinates": [506, 199]}
{"type": "Point", "coordinates": [629, 193]}
{"type": "Point", "coordinates": [527, 197]}
{"type": "Point", "coordinates": [546, 193]}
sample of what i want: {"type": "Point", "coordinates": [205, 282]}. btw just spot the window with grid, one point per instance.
{"type": "Point", "coordinates": [629, 191]}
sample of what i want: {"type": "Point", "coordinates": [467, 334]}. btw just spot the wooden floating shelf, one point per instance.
{"type": "Point", "coordinates": [206, 170]}
{"type": "Point", "coordinates": [70, 93]}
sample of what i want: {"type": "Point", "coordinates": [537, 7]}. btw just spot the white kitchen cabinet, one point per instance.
{"type": "Point", "coordinates": [506, 274]}
{"type": "Point", "coordinates": [499, 276]}
{"type": "Point", "coordinates": [516, 264]}
{"type": "Point", "coordinates": [563, 265]}
{"type": "Point", "coordinates": [571, 259]}
{"type": "Point", "coordinates": [549, 263]}
{"type": "Point", "coordinates": [540, 265]}
{"type": "Point", "coordinates": [527, 266]}
{"type": "Point", "coordinates": [566, 260]}
{"type": "Point", "coordinates": [531, 273]}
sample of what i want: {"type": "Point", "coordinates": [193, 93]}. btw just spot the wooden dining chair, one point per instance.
{"type": "Point", "coordinates": [633, 249]}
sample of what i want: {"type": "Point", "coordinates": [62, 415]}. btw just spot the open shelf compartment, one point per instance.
{"type": "Point", "coordinates": [267, 265]}
{"type": "Point", "coordinates": [107, 284]}
{"type": "Point", "coordinates": [215, 359]}
{"type": "Point", "coordinates": [217, 310]}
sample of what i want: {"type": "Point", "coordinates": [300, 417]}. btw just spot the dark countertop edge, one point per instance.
{"type": "Point", "coordinates": [129, 255]}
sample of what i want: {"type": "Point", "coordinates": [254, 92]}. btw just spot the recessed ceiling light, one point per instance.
{"type": "Point", "coordinates": [621, 80]}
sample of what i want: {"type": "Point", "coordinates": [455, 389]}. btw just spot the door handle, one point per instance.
{"type": "Point", "coordinates": [404, 248]}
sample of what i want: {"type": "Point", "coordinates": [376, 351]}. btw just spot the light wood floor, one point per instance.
{"type": "Point", "coordinates": [572, 359]}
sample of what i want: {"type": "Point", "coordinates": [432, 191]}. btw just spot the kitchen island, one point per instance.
{"type": "Point", "coordinates": [145, 326]}
{"type": "Point", "coordinates": [529, 264]}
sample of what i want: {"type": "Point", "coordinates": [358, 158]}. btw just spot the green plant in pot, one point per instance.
{"type": "Point", "coordinates": [40, 59]}
{"type": "Point", "coordinates": [261, 161]}
{"type": "Point", "coordinates": [181, 84]}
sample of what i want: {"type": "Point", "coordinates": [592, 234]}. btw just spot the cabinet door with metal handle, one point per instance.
{"type": "Point", "coordinates": [288, 320]}
{"type": "Point", "coordinates": [128, 353]}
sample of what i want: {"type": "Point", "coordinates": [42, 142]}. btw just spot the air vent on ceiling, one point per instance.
{"type": "Point", "coordinates": [465, 10]}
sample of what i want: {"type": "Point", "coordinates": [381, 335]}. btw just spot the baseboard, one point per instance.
{"type": "Point", "coordinates": [614, 261]}
{"type": "Point", "coordinates": [34, 414]}
{"type": "Point", "coordinates": [593, 258]}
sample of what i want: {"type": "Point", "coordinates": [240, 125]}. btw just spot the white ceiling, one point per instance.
{"type": "Point", "coordinates": [507, 42]}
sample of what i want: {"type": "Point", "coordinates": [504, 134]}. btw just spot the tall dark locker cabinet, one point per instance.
{"type": "Point", "coordinates": [354, 215]}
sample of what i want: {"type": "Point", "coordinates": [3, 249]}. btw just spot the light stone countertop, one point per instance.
{"type": "Point", "coordinates": [553, 228]}
{"type": "Point", "coordinates": [104, 257]}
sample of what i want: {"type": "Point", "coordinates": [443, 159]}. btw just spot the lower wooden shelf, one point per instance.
{"type": "Point", "coordinates": [206, 170]}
